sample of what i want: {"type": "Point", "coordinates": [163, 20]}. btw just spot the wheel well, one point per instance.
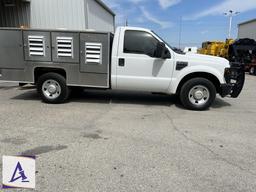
{"type": "Point", "coordinates": [208, 76]}
{"type": "Point", "coordinates": [39, 71]}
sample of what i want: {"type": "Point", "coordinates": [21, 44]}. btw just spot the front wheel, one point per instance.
{"type": "Point", "coordinates": [52, 88]}
{"type": "Point", "coordinates": [198, 94]}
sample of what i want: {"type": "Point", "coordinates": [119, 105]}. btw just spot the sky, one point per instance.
{"type": "Point", "coordinates": [196, 20]}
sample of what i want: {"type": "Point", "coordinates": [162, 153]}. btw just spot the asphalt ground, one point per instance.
{"type": "Point", "coordinates": [113, 142]}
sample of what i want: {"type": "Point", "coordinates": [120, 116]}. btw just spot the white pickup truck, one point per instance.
{"type": "Point", "coordinates": [133, 59]}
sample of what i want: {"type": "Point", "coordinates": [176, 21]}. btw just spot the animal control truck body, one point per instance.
{"type": "Point", "coordinates": [133, 59]}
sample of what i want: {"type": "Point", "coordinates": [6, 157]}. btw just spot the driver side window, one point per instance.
{"type": "Point", "coordinates": [139, 42]}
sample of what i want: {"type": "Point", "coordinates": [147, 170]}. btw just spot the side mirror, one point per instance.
{"type": "Point", "coordinates": [159, 49]}
{"type": "Point", "coordinates": [162, 51]}
{"type": "Point", "coordinates": [166, 54]}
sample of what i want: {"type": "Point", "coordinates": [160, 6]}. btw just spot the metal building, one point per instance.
{"type": "Point", "coordinates": [14, 13]}
{"type": "Point", "coordinates": [57, 14]}
{"type": "Point", "coordinates": [247, 29]}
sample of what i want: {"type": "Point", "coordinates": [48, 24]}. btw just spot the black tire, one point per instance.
{"type": "Point", "coordinates": [64, 89]}
{"type": "Point", "coordinates": [186, 98]}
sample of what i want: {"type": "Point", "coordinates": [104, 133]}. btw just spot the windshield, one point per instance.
{"type": "Point", "coordinates": [175, 49]}
{"type": "Point", "coordinates": [162, 39]}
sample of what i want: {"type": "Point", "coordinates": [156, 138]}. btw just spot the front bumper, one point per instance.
{"type": "Point", "coordinates": [235, 78]}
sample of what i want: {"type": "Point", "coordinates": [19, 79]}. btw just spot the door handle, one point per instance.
{"type": "Point", "coordinates": [121, 62]}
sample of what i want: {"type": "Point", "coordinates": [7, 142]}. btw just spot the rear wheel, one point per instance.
{"type": "Point", "coordinates": [52, 88]}
{"type": "Point", "coordinates": [198, 94]}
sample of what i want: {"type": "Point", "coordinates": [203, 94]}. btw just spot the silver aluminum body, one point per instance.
{"type": "Point", "coordinates": [16, 63]}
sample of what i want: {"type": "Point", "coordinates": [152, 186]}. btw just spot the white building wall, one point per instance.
{"type": "Point", "coordinates": [247, 30]}
{"type": "Point", "coordinates": [98, 18]}
{"type": "Point", "coordinates": [71, 15]}
{"type": "Point", "coordinates": [53, 14]}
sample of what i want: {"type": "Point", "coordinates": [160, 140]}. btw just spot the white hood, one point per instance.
{"type": "Point", "coordinates": [199, 59]}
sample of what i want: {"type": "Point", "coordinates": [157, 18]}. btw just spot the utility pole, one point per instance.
{"type": "Point", "coordinates": [230, 14]}
{"type": "Point", "coordinates": [180, 32]}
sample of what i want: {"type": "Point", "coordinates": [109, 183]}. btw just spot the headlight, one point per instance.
{"type": "Point", "coordinates": [227, 71]}
{"type": "Point", "coordinates": [230, 73]}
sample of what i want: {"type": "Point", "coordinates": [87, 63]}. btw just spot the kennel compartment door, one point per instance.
{"type": "Point", "coordinates": [37, 46]}
{"type": "Point", "coordinates": [94, 48]}
{"type": "Point", "coordinates": [11, 49]}
{"type": "Point", "coordinates": [65, 47]}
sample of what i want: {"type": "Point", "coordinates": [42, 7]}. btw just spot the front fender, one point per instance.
{"type": "Point", "coordinates": [179, 75]}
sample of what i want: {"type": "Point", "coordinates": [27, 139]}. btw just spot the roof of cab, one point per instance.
{"type": "Point", "coordinates": [135, 28]}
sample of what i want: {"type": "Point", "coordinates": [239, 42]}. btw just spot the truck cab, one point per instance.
{"type": "Point", "coordinates": [142, 61]}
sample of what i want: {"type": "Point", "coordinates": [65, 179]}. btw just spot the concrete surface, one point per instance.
{"type": "Point", "coordinates": [132, 142]}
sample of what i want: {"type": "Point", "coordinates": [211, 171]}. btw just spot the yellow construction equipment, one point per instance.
{"type": "Point", "coordinates": [216, 48]}
{"type": "Point", "coordinates": [241, 51]}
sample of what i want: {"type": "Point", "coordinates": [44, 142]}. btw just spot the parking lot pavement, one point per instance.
{"type": "Point", "coordinates": [110, 141]}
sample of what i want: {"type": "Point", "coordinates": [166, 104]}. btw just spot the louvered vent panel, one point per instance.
{"type": "Point", "coordinates": [93, 53]}
{"type": "Point", "coordinates": [65, 46]}
{"type": "Point", "coordinates": [36, 45]}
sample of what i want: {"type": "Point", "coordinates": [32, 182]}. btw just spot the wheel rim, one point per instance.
{"type": "Point", "coordinates": [51, 89]}
{"type": "Point", "coordinates": [199, 95]}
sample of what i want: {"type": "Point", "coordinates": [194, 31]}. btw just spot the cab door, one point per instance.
{"type": "Point", "coordinates": [137, 68]}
